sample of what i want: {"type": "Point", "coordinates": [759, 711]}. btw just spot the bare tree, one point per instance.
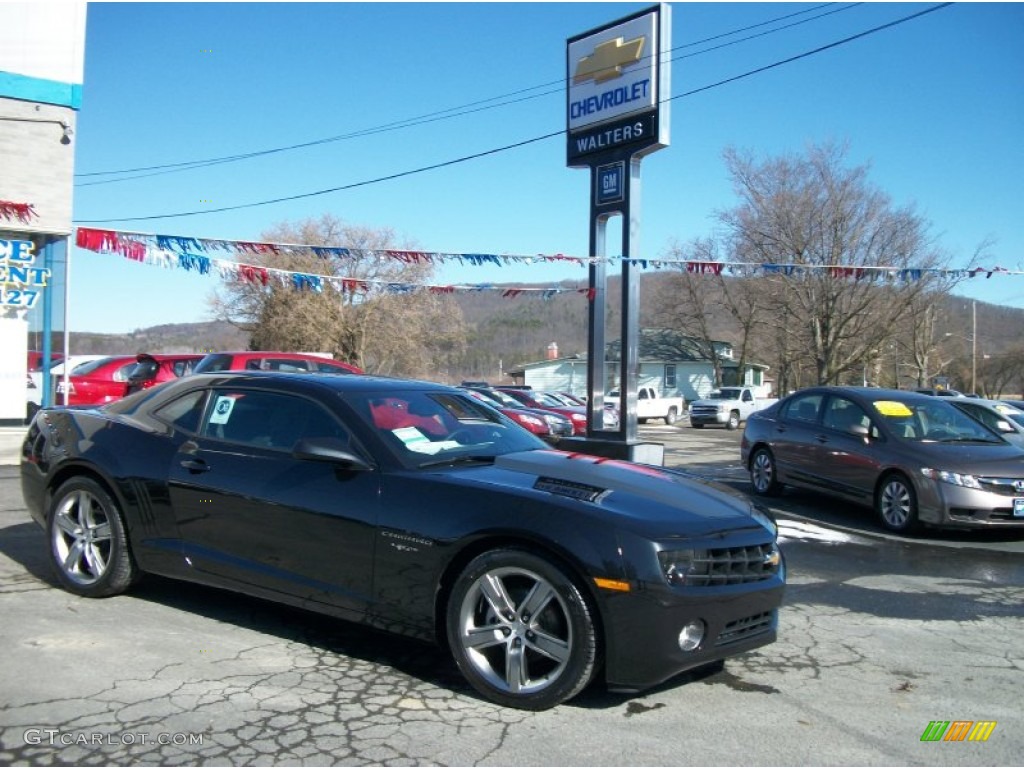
{"type": "Point", "coordinates": [827, 230]}
{"type": "Point", "coordinates": [375, 321]}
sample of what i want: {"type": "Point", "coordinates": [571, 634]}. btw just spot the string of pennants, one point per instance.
{"type": "Point", "coordinates": [195, 255]}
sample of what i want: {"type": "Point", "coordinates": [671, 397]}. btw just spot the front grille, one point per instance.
{"type": "Point", "coordinates": [734, 565]}
{"type": "Point", "coordinates": [1004, 486]}
{"type": "Point", "coordinates": [741, 629]}
{"type": "Point", "coordinates": [704, 410]}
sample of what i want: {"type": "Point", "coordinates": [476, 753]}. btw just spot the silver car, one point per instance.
{"type": "Point", "coordinates": [913, 458]}
{"type": "Point", "coordinates": [998, 416]}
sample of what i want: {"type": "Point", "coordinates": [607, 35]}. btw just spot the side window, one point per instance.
{"type": "Point", "coordinates": [268, 419]}
{"type": "Point", "coordinates": [804, 408]}
{"type": "Point", "coordinates": [184, 412]}
{"type": "Point", "coordinates": [332, 368]}
{"type": "Point", "coordinates": [643, 394]}
{"type": "Point", "coordinates": [841, 414]}
{"type": "Point", "coordinates": [747, 397]}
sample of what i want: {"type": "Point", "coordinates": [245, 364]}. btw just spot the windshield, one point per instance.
{"type": "Point", "coordinates": [430, 428]}
{"type": "Point", "coordinates": [725, 394]}
{"type": "Point", "coordinates": [933, 420]}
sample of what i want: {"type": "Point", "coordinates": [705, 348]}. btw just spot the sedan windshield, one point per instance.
{"type": "Point", "coordinates": [431, 428]}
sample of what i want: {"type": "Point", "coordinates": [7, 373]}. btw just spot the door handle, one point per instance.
{"type": "Point", "coordinates": [195, 465]}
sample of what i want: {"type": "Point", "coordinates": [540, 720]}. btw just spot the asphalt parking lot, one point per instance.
{"type": "Point", "coordinates": [880, 637]}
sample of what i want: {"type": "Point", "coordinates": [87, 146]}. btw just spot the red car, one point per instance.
{"type": "Point", "coordinates": [540, 400]}
{"type": "Point", "coordinates": [273, 361]}
{"type": "Point", "coordinates": [548, 426]}
{"type": "Point", "coordinates": [110, 378]}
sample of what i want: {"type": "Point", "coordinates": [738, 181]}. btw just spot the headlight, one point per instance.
{"type": "Point", "coordinates": [533, 421]}
{"type": "Point", "coordinates": [953, 478]}
{"type": "Point", "coordinates": [679, 565]}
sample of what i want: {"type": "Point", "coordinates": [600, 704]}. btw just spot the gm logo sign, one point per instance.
{"type": "Point", "coordinates": [611, 183]}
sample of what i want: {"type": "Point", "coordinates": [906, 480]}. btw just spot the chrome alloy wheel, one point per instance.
{"type": "Point", "coordinates": [515, 630]}
{"type": "Point", "coordinates": [762, 472]}
{"type": "Point", "coordinates": [82, 538]}
{"type": "Point", "coordinates": [896, 504]}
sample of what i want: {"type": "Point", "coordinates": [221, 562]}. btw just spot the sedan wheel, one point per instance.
{"type": "Point", "coordinates": [896, 504]}
{"type": "Point", "coordinates": [763, 475]}
{"type": "Point", "coordinates": [521, 631]}
{"type": "Point", "coordinates": [88, 546]}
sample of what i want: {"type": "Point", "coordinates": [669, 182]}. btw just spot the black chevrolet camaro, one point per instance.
{"type": "Point", "coordinates": [411, 507]}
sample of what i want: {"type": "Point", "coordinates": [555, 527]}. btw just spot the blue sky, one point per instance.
{"type": "Point", "coordinates": [934, 105]}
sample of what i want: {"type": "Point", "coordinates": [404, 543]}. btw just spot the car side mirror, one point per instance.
{"type": "Point", "coordinates": [331, 450]}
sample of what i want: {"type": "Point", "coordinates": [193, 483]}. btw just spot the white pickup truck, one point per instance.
{"type": "Point", "coordinates": [727, 406]}
{"type": "Point", "coordinates": [651, 405]}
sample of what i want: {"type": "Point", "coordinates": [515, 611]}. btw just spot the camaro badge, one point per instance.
{"type": "Point", "coordinates": [608, 59]}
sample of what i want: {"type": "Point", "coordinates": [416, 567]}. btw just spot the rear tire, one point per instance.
{"type": "Point", "coordinates": [87, 539]}
{"type": "Point", "coordinates": [672, 416]}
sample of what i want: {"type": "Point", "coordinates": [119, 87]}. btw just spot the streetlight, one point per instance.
{"type": "Point", "coordinates": [974, 346]}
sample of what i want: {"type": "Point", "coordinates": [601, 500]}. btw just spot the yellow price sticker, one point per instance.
{"type": "Point", "coordinates": [892, 408]}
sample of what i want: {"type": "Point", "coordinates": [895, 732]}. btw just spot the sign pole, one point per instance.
{"type": "Point", "coordinates": [617, 75]}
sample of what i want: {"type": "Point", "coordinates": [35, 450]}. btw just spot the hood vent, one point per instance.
{"type": "Point", "coordinates": [570, 489]}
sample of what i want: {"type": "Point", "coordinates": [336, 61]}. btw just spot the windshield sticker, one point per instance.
{"type": "Point", "coordinates": [892, 408]}
{"type": "Point", "coordinates": [410, 436]}
{"type": "Point", "coordinates": [222, 410]}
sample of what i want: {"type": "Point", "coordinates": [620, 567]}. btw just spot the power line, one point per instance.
{"type": "Point", "coordinates": [445, 114]}
{"type": "Point", "coordinates": [516, 145]}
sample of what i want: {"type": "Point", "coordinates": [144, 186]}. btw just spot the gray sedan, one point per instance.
{"type": "Point", "coordinates": [913, 458]}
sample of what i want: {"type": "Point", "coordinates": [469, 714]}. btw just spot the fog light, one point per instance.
{"type": "Point", "coordinates": [691, 636]}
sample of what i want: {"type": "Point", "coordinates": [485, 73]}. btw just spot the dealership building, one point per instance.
{"type": "Point", "coordinates": [42, 54]}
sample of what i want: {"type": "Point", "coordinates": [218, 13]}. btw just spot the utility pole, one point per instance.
{"type": "Point", "coordinates": [974, 347]}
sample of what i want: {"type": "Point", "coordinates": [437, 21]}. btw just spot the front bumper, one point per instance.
{"type": "Point", "coordinates": [643, 628]}
{"type": "Point", "coordinates": [720, 417]}
{"type": "Point", "coordinates": [954, 506]}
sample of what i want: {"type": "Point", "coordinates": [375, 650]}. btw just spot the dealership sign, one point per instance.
{"type": "Point", "coordinates": [617, 78]}
{"type": "Point", "coordinates": [19, 280]}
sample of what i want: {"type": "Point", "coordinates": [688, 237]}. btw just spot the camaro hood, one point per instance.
{"type": "Point", "coordinates": [663, 502]}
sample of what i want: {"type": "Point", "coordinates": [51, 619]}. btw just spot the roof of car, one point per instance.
{"type": "Point", "coordinates": [313, 381]}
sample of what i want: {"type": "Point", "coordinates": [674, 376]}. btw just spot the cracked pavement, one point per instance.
{"type": "Point", "coordinates": [879, 636]}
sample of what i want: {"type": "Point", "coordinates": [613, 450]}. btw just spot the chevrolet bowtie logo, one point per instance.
{"type": "Point", "coordinates": [608, 59]}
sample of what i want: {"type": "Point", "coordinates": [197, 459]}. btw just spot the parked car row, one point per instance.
{"type": "Point", "coordinates": [97, 379]}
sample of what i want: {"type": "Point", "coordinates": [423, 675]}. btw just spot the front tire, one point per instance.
{"type": "Point", "coordinates": [88, 544]}
{"type": "Point", "coordinates": [520, 630]}
{"type": "Point", "coordinates": [764, 476]}
{"type": "Point", "coordinates": [734, 420]}
{"type": "Point", "coordinates": [896, 504]}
